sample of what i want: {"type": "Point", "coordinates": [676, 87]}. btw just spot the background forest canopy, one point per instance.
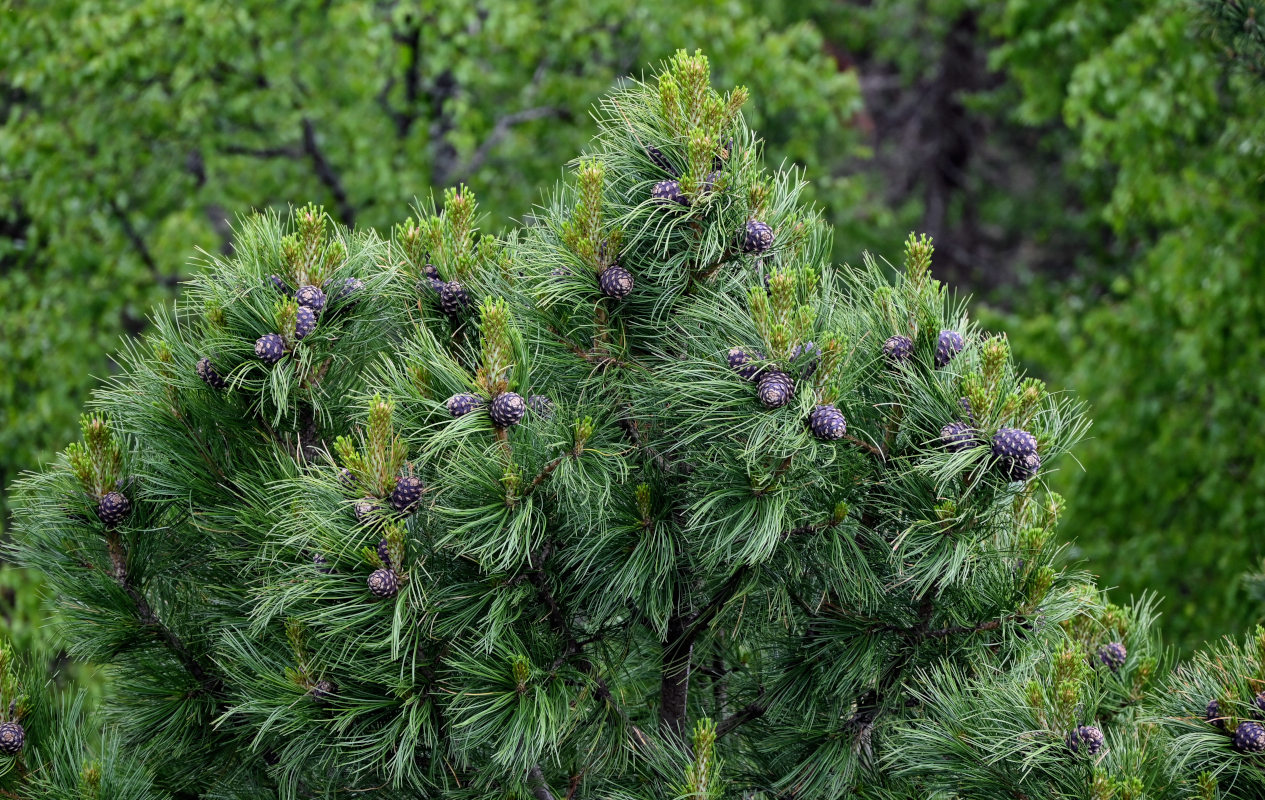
{"type": "Point", "coordinates": [1090, 171]}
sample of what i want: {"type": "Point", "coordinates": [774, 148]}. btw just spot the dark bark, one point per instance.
{"type": "Point", "coordinates": [327, 174]}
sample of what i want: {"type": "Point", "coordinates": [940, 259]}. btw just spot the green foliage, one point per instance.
{"type": "Point", "coordinates": [132, 132]}
{"type": "Point", "coordinates": [1170, 354]}
{"type": "Point", "coordinates": [651, 585]}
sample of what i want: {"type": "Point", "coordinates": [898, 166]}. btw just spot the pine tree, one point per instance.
{"type": "Point", "coordinates": [632, 503]}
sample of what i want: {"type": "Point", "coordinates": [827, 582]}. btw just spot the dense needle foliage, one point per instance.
{"type": "Point", "coordinates": [648, 499]}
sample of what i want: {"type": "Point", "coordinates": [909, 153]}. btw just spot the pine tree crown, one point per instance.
{"type": "Point", "coordinates": [500, 525]}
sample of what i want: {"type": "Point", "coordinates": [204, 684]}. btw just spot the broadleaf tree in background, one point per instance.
{"type": "Point", "coordinates": [1165, 102]}
{"type": "Point", "coordinates": [171, 118]}
{"type": "Point", "coordinates": [645, 500]}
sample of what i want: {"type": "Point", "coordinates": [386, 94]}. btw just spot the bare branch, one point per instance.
{"type": "Point", "coordinates": [500, 131]}
{"type": "Point", "coordinates": [327, 174]}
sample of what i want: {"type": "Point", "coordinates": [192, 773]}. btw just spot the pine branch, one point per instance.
{"type": "Point", "coordinates": [877, 451]}
{"type": "Point", "coordinates": [536, 779]}
{"type": "Point", "coordinates": [750, 711]}
{"type": "Point", "coordinates": [548, 469]}
{"type": "Point", "coordinates": [146, 616]}
{"type": "Point", "coordinates": [558, 621]}
{"type": "Point", "coordinates": [683, 632]}
{"type": "Point", "coordinates": [629, 424]}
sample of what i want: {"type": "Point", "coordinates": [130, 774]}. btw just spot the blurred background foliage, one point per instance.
{"type": "Point", "coordinates": [1092, 172]}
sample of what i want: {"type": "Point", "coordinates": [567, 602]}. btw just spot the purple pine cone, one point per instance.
{"type": "Point", "coordinates": [898, 349]}
{"type": "Point", "coordinates": [269, 348]}
{"type": "Point", "coordinates": [310, 297]}
{"type": "Point", "coordinates": [1087, 736]}
{"type": "Point", "coordinates": [507, 409]}
{"type": "Point", "coordinates": [757, 237]}
{"type": "Point", "coordinates": [948, 345]}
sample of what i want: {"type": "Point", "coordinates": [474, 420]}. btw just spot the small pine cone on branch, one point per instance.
{"type": "Point", "coordinates": [365, 511]}
{"type": "Point", "coordinates": [811, 354]}
{"type": "Point", "coordinates": [461, 404]}
{"type": "Point", "coordinates": [948, 345]}
{"type": "Point", "coordinates": [669, 193]}
{"type": "Point", "coordinates": [1249, 737]}
{"type": "Point", "coordinates": [12, 738]}
{"type": "Point", "coordinates": [740, 361]}
{"type": "Point", "coordinates": [384, 582]}
{"type": "Point", "coordinates": [406, 494]}
{"type": "Point", "coordinates": [322, 691]}
{"type": "Point", "coordinates": [540, 405]}
{"type": "Point", "coordinates": [507, 409]}
{"type": "Point", "coordinates": [304, 322]}
{"type": "Point", "coordinates": [615, 282]}
{"type": "Point", "coordinates": [206, 371]}
{"type": "Point", "coordinates": [269, 348]}
{"type": "Point", "coordinates": [898, 349]}
{"type": "Point", "coordinates": [113, 508]}
{"type": "Point", "coordinates": [827, 423]}
{"type": "Point", "coordinates": [660, 160]}
{"type": "Point", "coordinates": [1113, 655]}
{"type": "Point", "coordinates": [757, 237]}
{"type": "Point", "coordinates": [1087, 737]}
{"type": "Point", "coordinates": [958, 436]}
{"type": "Point", "coordinates": [453, 299]}
{"type": "Point", "coordinates": [1016, 453]}
{"type": "Point", "coordinates": [310, 297]}
{"type": "Point", "coordinates": [1212, 714]}
{"type": "Point", "coordinates": [775, 389]}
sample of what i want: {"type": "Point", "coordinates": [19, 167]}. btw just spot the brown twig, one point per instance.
{"type": "Point", "coordinates": [862, 443]}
